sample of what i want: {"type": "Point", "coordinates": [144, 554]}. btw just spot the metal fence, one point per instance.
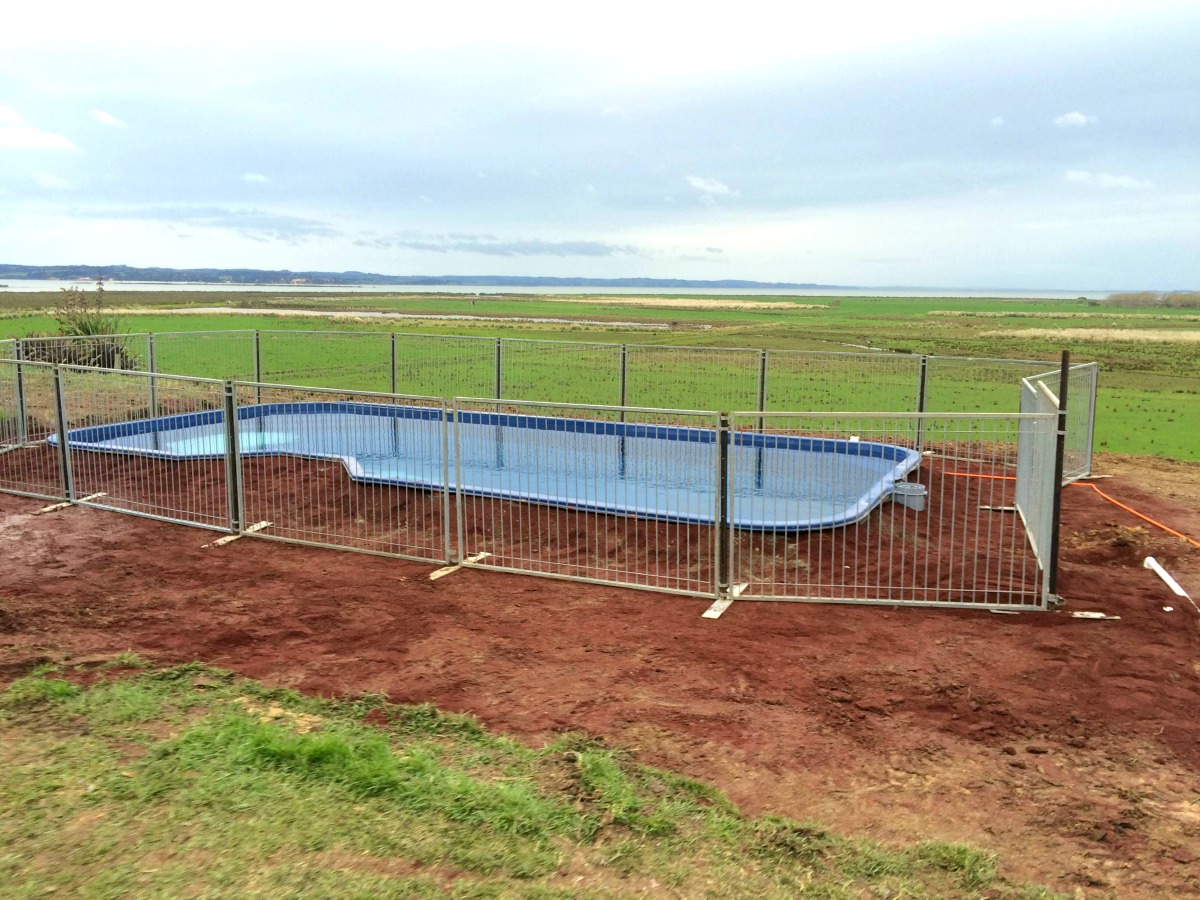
{"type": "Point", "coordinates": [946, 535]}
{"type": "Point", "coordinates": [589, 372]}
{"type": "Point", "coordinates": [684, 501]}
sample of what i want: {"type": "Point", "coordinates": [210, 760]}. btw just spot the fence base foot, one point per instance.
{"type": "Point", "coordinates": [719, 606]}
{"type": "Point", "coordinates": [230, 538]}
{"type": "Point", "coordinates": [57, 506]}
{"type": "Point", "coordinates": [447, 570]}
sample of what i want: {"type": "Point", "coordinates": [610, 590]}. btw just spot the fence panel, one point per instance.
{"type": "Point", "coordinates": [692, 377]}
{"type": "Point", "coordinates": [128, 352]}
{"type": "Point", "coordinates": [575, 492]}
{"type": "Point", "coordinates": [28, 464]}
{"type": "Point", "coordinates": [226, 355]}
{"type": "Point", "coordinates": [8, 349]}
{"type": "Point", "coordinates": [823, 509]}
{"type": "Point", "coordinates": [852, 382]}
{"type": "Point", "coordinates": [349, 360]}
{"type": "Point", "coordinates": [561, 371]}
{"type": "Point", "coordinates": [148, 445]}
{"type": "Point", "coordinates": [1036, 448]}
{"type": "Point", "coordinates": [1082, 383]}
{"type": "Point", "coordinates": [445, 365]}
{"type": "Point", "coordinates": [345, 469]}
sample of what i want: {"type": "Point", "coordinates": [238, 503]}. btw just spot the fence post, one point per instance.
{"type": "Point", "coordinates": [22, 414]}
{"type": "Point", "coordinates": [922, 396]}
{"type": "Point", "coordinates": [394, 382]}
{"type": "Point", "coordinates": [722, 518]}
{"type": "Point", "coordinates": [1064, 377]}
{"type": "Point", "coordinates": [233, 460]}
{"type": "Point", "coordinates": [152, 368]}
{"type": "Point", "coordinates": [762, 385]}
{"type": "Point", "coordinates": [64, 450]}
{"type": "Point", "coordinates": [448, 408]}
{"type": "Point", "coordinates": [623, 380]}
{"type": "Point", "coordinates": [499, 368]}
{"type": "Point", "coordinates": [257, 366]}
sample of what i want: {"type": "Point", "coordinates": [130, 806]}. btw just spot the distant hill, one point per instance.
{"type": "Point", "coordinates": [285, 276]}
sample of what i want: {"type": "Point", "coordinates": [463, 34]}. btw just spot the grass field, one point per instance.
{"type": "Point", "coordinates": [1149, 391]}
{"type": "Point", "coordinates": [192, 781]}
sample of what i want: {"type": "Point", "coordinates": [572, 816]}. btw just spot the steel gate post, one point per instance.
{"type": "Point", "coordinates": [922, 396]}
{"type": "Point", "coordinates": [724, 551]}
{"type": "Point", "coordinates": [1060, 446]}
{"type": "Point", "coordinates": [257, 366]}
{"type": "Point", "coordinates": [499, 368]}
{"type": "Point", "coordinates": [22, 413]}
{"type": "Point", "coordinates": [394, 382]}
{"type": "Point", "coordinates": [152, 368]}
{"type": "Point", "coordinates": [233, 460]}
{"type": "Point", "coordinates": [64, 450]}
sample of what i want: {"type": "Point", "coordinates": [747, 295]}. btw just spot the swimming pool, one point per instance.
{"type": "Point", "coordinates": [777, 483]}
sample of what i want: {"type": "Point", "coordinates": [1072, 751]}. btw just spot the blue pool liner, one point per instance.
{"type": "Point", "coordinates": [778, 483]}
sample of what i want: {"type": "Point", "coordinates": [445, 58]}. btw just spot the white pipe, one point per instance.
{"type": "Point", "coordinates": [1154, 565]}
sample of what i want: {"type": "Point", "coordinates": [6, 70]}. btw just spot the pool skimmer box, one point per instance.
{"type": "Point", "coordinates": [909, 494]}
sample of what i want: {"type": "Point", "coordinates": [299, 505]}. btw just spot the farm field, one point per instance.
{"type": "Point", "coordinates": [1149, 389]}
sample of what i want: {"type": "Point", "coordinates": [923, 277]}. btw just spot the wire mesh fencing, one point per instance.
{"type": "Point", "coordinates": [345, 469]}
{"type": "Point", "coordinates": [1035, 489]}
{"type": "Point", "coordinates": [128, 352]}
{"type": "Point", "coordinates": [866, 518]}
{"type": "Point", "coordinates": [445, 366]}
{"type": "Point", "coordinates": [150, 445]}
{"type": "Point", "coordinates": [614, 495]}
{"type": "Point", "coordinates": [225, 355]}
{"type": "Point", "coordinates": [842, 381]}
{"type": "Point", "coordinates": [562, 371]}
{"type": "Point", "coordinates": [349, 360]}
{"type": "Point", "coordinates": [692, 377]}
{"type": "Point", "coordinates": [28, 464]}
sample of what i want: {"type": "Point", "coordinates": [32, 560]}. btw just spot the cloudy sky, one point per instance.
{"type": "Point", "coordinates": [1024, 144]}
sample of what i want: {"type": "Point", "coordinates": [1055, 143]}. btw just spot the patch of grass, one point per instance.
{"type": "Point", "coordinates": [190, 779]}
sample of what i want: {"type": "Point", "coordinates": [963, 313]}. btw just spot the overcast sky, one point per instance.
{"type": "Point", "coordinates": [1014, 145]}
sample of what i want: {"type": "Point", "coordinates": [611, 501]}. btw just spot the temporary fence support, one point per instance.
{"type": "Point", "coordinates": [257, 366]}
{"type": "Point", "coordinates": [762, 385]}
{"type": "Point", "coordinates": [64, 450]}
{"type": "Point", "coordinates": [922, 391]}
{"type": "Point", "coordinates": [394, 391]}
{"type": "Point", "coordinates": [233, 459]}
{"type": "Point", "coordinates": [22, 414]}
{"type": "Point", "coordinates": [152, 368]}
{"type": "Point", "coordinates": [1060, 447]}
{"type": "Point", "coordinates": [623, 379]}
{"type": "Point", "coordinates": [724, 545]}
{"type": "Point", "coordinates": [499, 368]}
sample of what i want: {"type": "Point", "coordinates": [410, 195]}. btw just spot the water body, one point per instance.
{"type": "Point", "coordinates": [32, 285]}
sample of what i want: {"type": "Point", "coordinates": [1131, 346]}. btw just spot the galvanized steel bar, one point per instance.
{"type": "Point", "coordinates": [1064, 380]}
{"type": "Point", "coordinates": [233, 460]}
{"type": "Point", "coordinates": [64, 443]}
{"type": "Point", "coordinates": [22, 411]}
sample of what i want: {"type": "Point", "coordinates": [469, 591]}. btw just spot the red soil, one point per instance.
{"type": "Point", "coordinates": [1071, 747]}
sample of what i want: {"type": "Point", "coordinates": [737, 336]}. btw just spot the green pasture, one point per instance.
{"type": "Point", "coordinates": [1149, 392]}
{"type": "Point", "coordinates": [192, 782]}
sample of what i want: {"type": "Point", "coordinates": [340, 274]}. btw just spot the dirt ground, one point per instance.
{"type": "Point", "coordinates": [1068, 746]}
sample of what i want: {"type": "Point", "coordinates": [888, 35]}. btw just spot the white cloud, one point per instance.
{"type": "Point", "coordinates": [997, 121]}
{"type": "Point", "coordinates": [255, 178]}
{"type": "Point", "coordinates": [1074, 119]}
{"type": "Point", "coordinates": [710, 186]}
{"type": "Point", "coordinates": [105, 118]}
{"type": "Point", "coordinates": [1108, 180]}
{"type": "Point", "coordinates": [616, 112]}
{"type": "Point", "coordinates": [17, 134]}
{"type": "Point", "coordinates": [51, 182]}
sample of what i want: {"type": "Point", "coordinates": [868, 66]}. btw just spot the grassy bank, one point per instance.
{"type": "Point", "coordinates": [1149, 356]}
{"type": "Point", "coordinates": [192, 780]}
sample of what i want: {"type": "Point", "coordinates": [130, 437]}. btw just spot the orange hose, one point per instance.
{"type": "Point", "coordinates": [1113, 501]}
